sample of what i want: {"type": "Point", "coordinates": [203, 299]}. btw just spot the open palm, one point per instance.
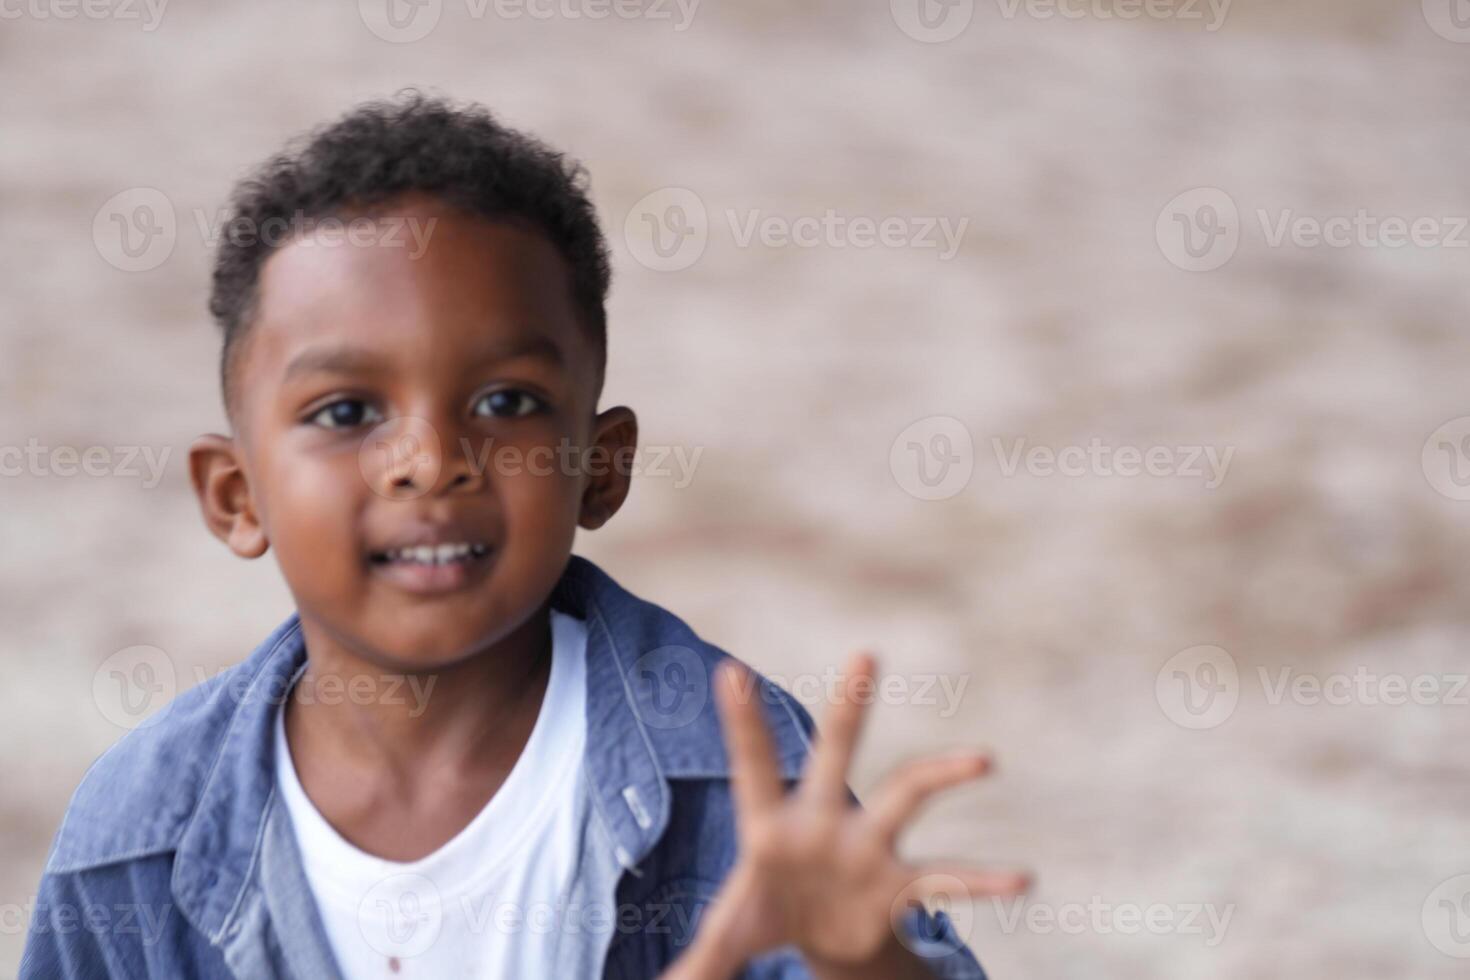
{"type": "Point", "coordinates": [813, 870]}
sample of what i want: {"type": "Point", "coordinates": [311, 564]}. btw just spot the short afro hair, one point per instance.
{"type": "Point", "coordinates": [410, 143]}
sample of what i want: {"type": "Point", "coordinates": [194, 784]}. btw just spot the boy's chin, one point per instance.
{"type": "Point", "coordinates": [408, 653]}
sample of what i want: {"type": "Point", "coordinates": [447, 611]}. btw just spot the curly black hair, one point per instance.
{"type": "Point", "coordinates": [411, 143]}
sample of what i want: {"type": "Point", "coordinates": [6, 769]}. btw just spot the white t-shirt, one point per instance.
{"type": "Point", "coordinates": [486, 903]}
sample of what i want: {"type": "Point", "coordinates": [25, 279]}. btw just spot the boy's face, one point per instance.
{"type": "Point", "coordinates": [391, 399]}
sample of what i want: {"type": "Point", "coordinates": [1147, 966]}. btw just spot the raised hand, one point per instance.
{"type": "Point", "coordinates": [814, 871]}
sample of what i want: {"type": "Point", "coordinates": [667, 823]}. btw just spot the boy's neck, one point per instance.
{"type": "Point", "coordinates": [471, 716]}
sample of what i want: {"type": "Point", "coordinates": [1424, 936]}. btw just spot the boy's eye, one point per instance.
{"type": "Point", "coordinates": [508, 403]}
{"type": "Point", "coordinates": [346, 413]}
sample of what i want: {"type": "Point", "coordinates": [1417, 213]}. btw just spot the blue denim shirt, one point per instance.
{"type": "Point", "coordinates": [176, 857]}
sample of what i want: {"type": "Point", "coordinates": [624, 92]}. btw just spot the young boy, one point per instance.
{"type": "Point", "coordinates": [412, 308]}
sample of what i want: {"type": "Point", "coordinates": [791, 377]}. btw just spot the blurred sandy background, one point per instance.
{"type": "Point", "coordinates": [1332, 834]}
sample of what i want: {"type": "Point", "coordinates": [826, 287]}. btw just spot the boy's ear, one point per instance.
{"type": "Point", "coordinates": [224, 495]}
{"type": "Point", "coordinates": [609, 466]}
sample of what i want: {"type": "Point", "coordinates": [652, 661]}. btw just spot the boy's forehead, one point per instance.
{"type": "Point", "coordinates": [432, 281]}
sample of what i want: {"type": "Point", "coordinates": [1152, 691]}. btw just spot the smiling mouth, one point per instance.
{"type": "Point", "coordinates": [462, 552]}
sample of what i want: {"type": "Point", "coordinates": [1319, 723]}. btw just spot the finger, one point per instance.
{"type": "Point", "coordinates": [826, 771]}
{"type": "Point", "coordinates": [949, 884]}
{"type": "Point", "coordinates": [911, 785]}
{"type": "Point", "coordinates": [755, 779]}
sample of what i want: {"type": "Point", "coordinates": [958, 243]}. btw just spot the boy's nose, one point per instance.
{"type": "Point", "coordinates": [411, 457]}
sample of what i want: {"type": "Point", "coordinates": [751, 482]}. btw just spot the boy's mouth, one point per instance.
{"type": "Point", "coordinates": [432, 554]}
{"type": "Point", "coordinates": [430, 569]}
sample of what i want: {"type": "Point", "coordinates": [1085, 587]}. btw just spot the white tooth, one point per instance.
{"type": "Point", "coordinates": [444, 553]}
{"type": "Point", "coordinates": [422, 554]}
{"type": "Point", "coordinates": [460, 550]}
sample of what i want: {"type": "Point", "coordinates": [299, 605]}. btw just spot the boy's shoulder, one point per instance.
{"type": "Point", "coordinates": [652, 660]}
{"type": "Point", "coordinates": [138, 797]}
